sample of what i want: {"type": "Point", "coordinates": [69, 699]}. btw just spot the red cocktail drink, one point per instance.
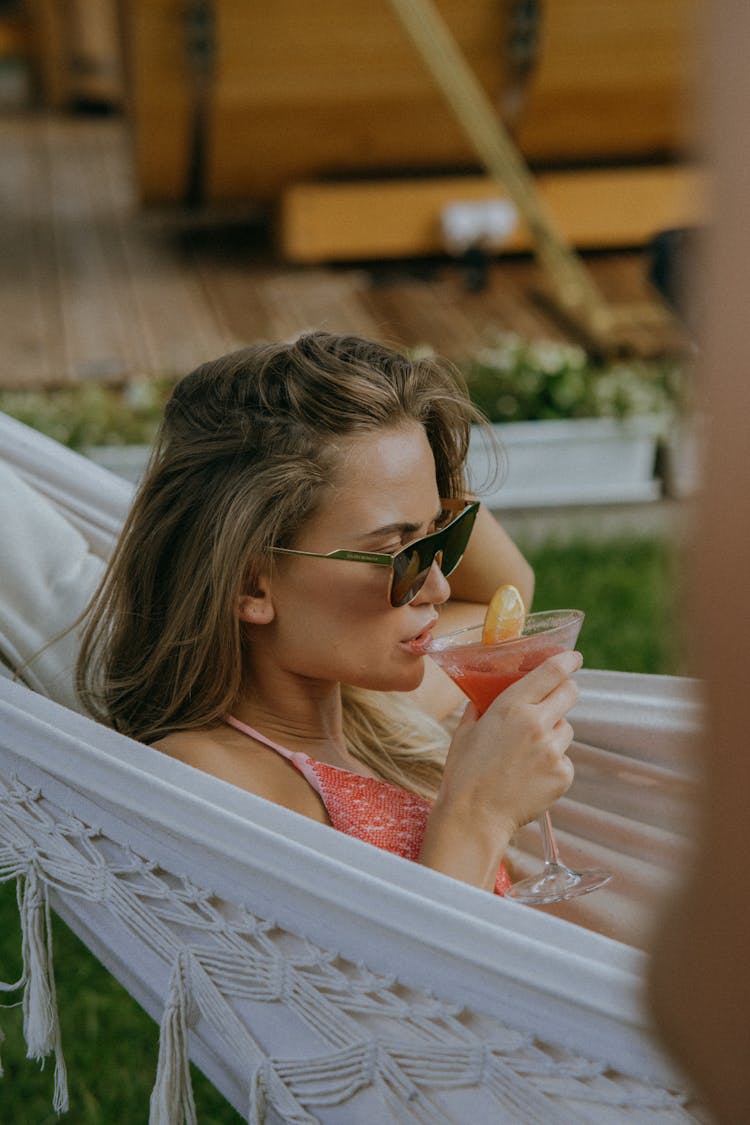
{"type": "Point", "coordinates": [484, 671]}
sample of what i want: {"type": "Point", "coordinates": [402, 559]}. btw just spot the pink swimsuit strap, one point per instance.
{"type": "Point", "coordinates": [303, 762]}
{"type": "Point", "coordinates": [377, 812]}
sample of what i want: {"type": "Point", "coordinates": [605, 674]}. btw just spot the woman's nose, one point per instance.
{"type": "Point", "coordinates": [436, 589]}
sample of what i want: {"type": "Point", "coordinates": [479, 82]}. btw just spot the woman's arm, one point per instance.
{"type": "Point", "coordinates": [491, 560]}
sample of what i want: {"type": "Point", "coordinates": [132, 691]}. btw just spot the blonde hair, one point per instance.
{"type": "Point", "coordinates": [243, 459]}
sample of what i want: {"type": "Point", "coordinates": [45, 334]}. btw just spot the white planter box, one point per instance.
{"type": "Point", "coordinates": [583, 461]}
{"type": "Point", "coordinates": [541, 464]}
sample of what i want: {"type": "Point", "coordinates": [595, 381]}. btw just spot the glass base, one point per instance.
{"type": "Point", "coordinates": [556, 883]}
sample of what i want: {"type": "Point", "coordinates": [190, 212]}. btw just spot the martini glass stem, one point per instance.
{"type": "Point", "coordinates": [556, 881]}
{"type": "Point", "coordinates": [551, 854]}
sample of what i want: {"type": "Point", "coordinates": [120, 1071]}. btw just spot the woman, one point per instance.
{"type": "Point", "coordinates": [227, 636]}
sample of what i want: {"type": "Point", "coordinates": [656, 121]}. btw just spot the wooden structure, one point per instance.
{"type": "Point", "coordinates": [612, 207]}
{"type": "Point", "coordinates": [97, 289]}
{"type": "Point", "coordinates": [230, 100]}
{"type": "Point", "coordinates": [295, 90]}
{"type": "Point", "coordinates": [74, 51]}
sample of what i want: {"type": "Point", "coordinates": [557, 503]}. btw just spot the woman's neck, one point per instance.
{"type": "Point", "coordinates": [310, 721]}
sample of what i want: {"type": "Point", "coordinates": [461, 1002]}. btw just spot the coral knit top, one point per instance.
{"type": "Point", "coordinates": [367, 808]}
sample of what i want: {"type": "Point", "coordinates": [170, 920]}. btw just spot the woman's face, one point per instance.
{"type": "Point", "coordinates": [332, 619]}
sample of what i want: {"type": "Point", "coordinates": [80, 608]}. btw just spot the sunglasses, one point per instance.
{"type": "Point", "coordinates": [410, 566]}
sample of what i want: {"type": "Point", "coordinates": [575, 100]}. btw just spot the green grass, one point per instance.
{"type": "Point", "coordinates": [629, 590]}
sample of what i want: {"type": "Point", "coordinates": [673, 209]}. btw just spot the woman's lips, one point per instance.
{"type": "Point", "coordinates": [417, 644]}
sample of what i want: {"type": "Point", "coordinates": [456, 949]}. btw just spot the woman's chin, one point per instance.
{"type": "Point", "coordinates": [404, 679]}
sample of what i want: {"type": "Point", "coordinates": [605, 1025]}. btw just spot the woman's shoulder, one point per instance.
{"type": "Point", "coordinates": [191, 746]}
{"type": "Point", "coordinates": [233, 757]}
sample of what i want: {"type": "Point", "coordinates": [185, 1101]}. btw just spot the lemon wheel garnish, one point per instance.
{"type": "Point", "coordinates": [505, 616]}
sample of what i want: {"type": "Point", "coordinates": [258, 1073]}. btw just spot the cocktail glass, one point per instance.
{"type": "Point", "coordinates": [484, 671]}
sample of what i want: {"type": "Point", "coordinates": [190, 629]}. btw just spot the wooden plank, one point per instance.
{"type": "Point", "coordinates": [98, 313]}
{"type": "Point", "coordinates": [297, 89]}
{"type": "Point", "coordinates": [174, 316]}
{"type": "Point", "coordinates": [322, 299]}
{"type": "Point", "coordinates": [436, 308]}
{"type": "Point", "coordinates": [419, 313]}
{"type": "Point", "coordinates": [92, 287]}
{"type": "Point", "coordinates": [257, 301]}
{"type": "Point", "coordinates": [158, 96]}
{"type": "Point", "coordinates": [75, 51]}
{"type": "Point", "coordinates": [510, 303]}
{"type": "Point", "coordinates": [50, 51]}
{"type": "Point", "coordinates": [303, 88]}
{"type": "Point", "coordinates": [402, 218]}
{"type": "Point", "coordinates": [30, 314]}
{"type": "Point", "coordinates": [614, 79]}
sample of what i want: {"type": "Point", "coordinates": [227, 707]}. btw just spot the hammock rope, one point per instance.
{"type": "Point", "coordinates": [314, 978]}
{"type": "Point", "coordinates": [222, 959]}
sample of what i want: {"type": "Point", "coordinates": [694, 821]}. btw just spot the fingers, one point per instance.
{"type": "Point", "coordinates": [565, 765]}
{"type": "Point", "coordinates": [558, 766]}
{"type": "Point", "coordinates": [538, 684]}
{"type": "Point", "coordinates": [561, 737]}
{"type": "Point", "coordinates": [558, 702]}
{"type": "Point", "coordinates": [550, 674]}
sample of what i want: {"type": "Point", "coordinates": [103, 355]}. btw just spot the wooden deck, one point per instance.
{"type": "Point", "coordinates": [94, 287]}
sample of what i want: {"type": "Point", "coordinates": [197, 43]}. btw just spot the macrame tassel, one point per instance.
{"type": "Point", "coordinates": [256, 1110]}
{"type": "Point", "coordinates": [172, 1096]}
{"type": "Point", "coordinates": [40, 1021]}
{"type": "Point", "coordinates": [38, 1017]}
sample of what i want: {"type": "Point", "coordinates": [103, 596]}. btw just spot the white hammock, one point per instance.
{"type": "Point", "coordinates": [310, 976]}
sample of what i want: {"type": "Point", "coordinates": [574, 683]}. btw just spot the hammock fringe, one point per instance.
{"type": "Point", "coordinates": [41, 1025]}
{"type": "Point", "coordinates": [256, 1108]}
{"type": "Point", "coordinates": [172, 1101]}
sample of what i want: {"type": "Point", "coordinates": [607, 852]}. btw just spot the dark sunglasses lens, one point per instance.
{"type": "Point", "coordinates": [456, 540]}
{"type": "Point", "coordinates": [410, 570]}
{"type": "Point", "coordinates": [412, 565]}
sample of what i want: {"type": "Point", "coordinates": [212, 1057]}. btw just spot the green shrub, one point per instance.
{"type": "Point", "coordinates": [517, 380]}
{"type": "Point", "coordinates": [92, 413]}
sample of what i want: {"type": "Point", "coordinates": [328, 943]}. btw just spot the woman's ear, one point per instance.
{"type": "Point", "coordinates": [256, 608]}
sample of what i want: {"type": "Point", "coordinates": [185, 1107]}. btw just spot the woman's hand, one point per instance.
{"type": "Point", "coordinates": [511, 763]}
{"type": "Point", "coordinates": [503, 770]}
